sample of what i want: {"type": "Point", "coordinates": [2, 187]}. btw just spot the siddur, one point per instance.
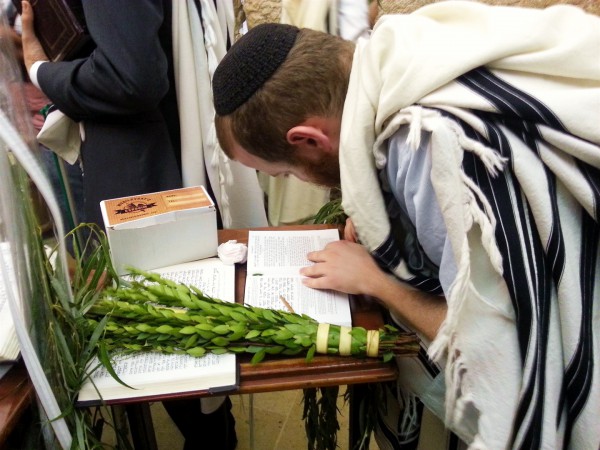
{"type": "Point", "coordinates": [60, 27]}
{"type": "Point", "coordinates": [274, 281]}
{"type": "Point", "coordinates": [154, 374]}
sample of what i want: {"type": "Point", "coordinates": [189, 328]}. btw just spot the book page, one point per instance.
{"type": "Point", "coordinates": [323, 305]}
{"type": "Point", "coordinates": [210, 275]}
{"type": "Point", "coordinates": [169, 374]}
{"type": "Point", "coordinates": [155, 373]}
{"type": "Point", "coordinates": [274, 280]}
{"type": "Point", "coordinates": [285, 251]}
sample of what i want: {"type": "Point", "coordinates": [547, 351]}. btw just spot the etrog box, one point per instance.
{"type": "Point", "coordinates": [160, 229]}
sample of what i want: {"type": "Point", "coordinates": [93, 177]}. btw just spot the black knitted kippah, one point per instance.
{"type": "Point", "coordinates": [249, 63]}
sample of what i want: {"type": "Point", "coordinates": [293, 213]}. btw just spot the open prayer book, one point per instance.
{"type": "Point", "coordinates": [154, 374]}
{"type": "Point", "coordinates": [273, 279]}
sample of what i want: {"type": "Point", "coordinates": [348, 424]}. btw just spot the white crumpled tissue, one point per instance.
{"type": "Point", "coordinates": [232, 252]}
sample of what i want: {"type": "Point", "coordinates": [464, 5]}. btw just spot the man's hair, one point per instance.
{"type": "Point", "coordinates": [312, 81]}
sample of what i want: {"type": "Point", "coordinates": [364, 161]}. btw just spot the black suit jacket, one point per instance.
{"type": "Point", "coordinates": [124, 94]}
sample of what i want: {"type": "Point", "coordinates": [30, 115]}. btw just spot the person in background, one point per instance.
{"type": "Point", "coordinates": [68, 187]}
{"type": "Point", "coordinates": [466, 143]}
{"type": "Point", "coordinates": [123, 93]}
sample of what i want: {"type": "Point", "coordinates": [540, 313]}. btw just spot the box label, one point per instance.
{"type": "Point", "coordinates": [126, 209]}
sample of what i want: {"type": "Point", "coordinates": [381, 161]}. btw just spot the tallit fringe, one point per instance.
{"type": "Point", "coordinates": [220, 163]}
{"type": "Point", "coordinates": [409, 419]}
{"type": "Point", "coordinates": [477, 209]}
{"type": "Point", "coordinates": [473, 213]}
{"type": "Point", "coordinates": [459, 400]}
{"type": "Point", "coordinates": [458, 291]}
{"type": "Point", "coordinates": [478, 444]}
{"type": "Point", "coordinates": [420, 119]}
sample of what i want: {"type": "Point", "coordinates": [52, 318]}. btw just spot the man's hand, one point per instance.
{"type": "Point", "coordinates": [343, 266]}
{"type": "Point", "coordinates": [350, 231]}
{"type": "Point", "coordinates": [32, 49]}
{"type": "Point", "coordinates": [348, 267]}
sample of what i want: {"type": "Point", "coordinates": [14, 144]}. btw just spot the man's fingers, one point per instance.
{"type": "Point", "coordinates": [27, 19]}
{"type": "Point", "coordinates": [311, 271]}
{"type": "Point", "coordinates": [315, 283]}
{"type": "Point", "coordinates": [32, 49]}
{"type": "Point", "coordinates": [315, 256]}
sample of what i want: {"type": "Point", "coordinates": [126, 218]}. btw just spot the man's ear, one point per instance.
{"type": "Point", "coordinates": [309, 140]}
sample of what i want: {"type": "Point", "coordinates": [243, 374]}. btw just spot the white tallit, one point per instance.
{"type": "Point", "coordinates": [406, 75]}
{"type": "Point", "coordinates": [199, 43]}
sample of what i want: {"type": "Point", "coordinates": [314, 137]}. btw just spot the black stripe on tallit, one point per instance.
{"type": "Point", "coordinates": [508, 100]}
{"type": "Point", "coordinates": [388, 253]}
{"type": "Point", "coordinates": [555, 247]}
{"type": "Point", "coordinates": [520, 264]}
{"type": "Point", "coordinates": [578, 376]}
{"type": "Point", "coordinates": [396, 249]}
{"type": "Point", "coordinates": [513, 103]}
{"type": "Point", "coordinates": [579, 373]}
{"type": "Point", "coordinates": [592, 176]}
{"type": "Point", "coordinates": [498, 194]}
{"type": "Point", "coordinates": [389, 256]}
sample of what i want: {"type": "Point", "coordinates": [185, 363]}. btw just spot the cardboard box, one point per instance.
{"type": "Point", "coordinates": [160, 229]}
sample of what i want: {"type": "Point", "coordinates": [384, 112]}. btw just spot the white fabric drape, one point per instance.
{"type": "Point", "coordinates": [547, 60]}
{"type": "Point", "coordinates": [196, 53]}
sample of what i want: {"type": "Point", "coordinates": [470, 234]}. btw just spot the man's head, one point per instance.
{"type": "Point", "coordinates": [279, 94]}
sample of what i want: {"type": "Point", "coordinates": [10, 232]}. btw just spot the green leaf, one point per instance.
{"type": "Point", "coordinates": [143, 327]}
{"type": "Point", "coordinates": [254, 348]}
{"type": "Point", "coordinates": [93, 340]}
{"type": "Point", "coordinates": [269, 315]}
{"type": "Point", "coordinates": [295, 328]}
{"type": "Point", "coordinates": [252, 334]}
{"type": "Point", "coordinates": [283, 334]}
{"type": "Point", "coordinates": [188, 330]}
{"type": "Point", "coordinates": [258, 356]}
{"type": "Point", "coordinates": [236, 335]}
{"type": "Point", "coordinates": [310, 354]}
{"type": "Point", "coordinates": [196, 351]}
{"type": "Point", "coordinates": [221, 329]}
{"type": "Point", "coordinates": [104, 358]}
{"type": "Point", "coordinates": [274, 350]}
{"type": "Point", "coordinates": [164, 329]}
{"type": "Point", "coordinates": [239, 317]}
{"type": "Point", "coordinates": [219, 350]}
{"type": "Point", "coordinates": [268, 332]}
{"type": "Point", "coordinates": [220, 341]}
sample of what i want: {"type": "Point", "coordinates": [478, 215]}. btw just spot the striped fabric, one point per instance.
{"type": "Point", "coordinates": [514, 153]}
{"type": "Point", "coordinates": [535, 257]}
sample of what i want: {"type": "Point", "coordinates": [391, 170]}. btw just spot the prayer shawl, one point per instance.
{"type": "Point", "coordinates": [511, 97]}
